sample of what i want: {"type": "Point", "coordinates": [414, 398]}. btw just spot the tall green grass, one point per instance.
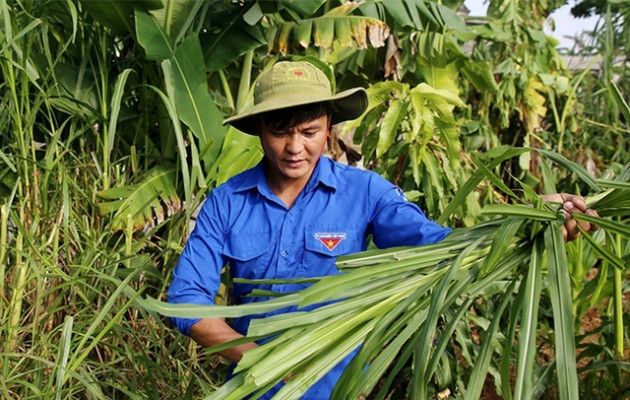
{"type": "Point", "coordinates": [95, 160]}
{"type": "Point", "coordinates": [69, 119]}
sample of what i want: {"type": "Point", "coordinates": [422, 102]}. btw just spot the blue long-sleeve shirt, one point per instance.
{"type": "Point", "coordinates": [244, 225]}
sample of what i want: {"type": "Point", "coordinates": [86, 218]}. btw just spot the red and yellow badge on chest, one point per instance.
{"type": "Point", "coordinates": [330, 240]}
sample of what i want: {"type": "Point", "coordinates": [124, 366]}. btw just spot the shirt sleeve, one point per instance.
{"type": "Point", "coordinates": [398, 222]}
{"type": "Point", "coordinates": [197, 277]}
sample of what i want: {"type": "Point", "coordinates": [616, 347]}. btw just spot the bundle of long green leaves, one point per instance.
{"type": "Point", "coordinates": [410, 309]}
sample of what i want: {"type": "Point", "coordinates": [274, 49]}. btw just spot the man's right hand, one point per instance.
{"type": "Point", "coordinates": [214, 331]}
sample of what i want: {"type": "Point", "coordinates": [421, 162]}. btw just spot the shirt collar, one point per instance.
{"type": "Point", "coordinates": [322, 174]}
{"type": "Point", "coordinates": [255, 178]}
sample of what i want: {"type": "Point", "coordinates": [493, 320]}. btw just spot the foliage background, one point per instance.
{"type": "Point", "coordinates": [111, 136]}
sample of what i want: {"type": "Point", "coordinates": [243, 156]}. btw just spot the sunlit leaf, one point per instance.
{"type": "Point", "coordinates": [389, 127]}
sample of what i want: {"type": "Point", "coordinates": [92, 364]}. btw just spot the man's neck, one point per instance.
{"type": "Point", "coordinates": [287, 189]}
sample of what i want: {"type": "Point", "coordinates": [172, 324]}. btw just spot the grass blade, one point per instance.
{"type": "Point", "coordinates": [503, 238]}
{"type": "Point", "coordinates": [81, 353]}
{"type": "Point", "coordinates": [621, 102]}
{"type": "Point", "coordinates": [210, 311]}
{"type": "Point", "coordinates": [64, 351]}
{"type": "Point", "coordinates": [504, 153]}
{"type": "Point", "coordinates": [493, 178]}
{"type": "Point", "coordinates": [113, 122]}
{"type": "Point", "coordinates": [422, 353]}
{"type": "Point", "coordinates": [571, 166]}
{"type": "Point", "coordinates": [478, 374]}
{"type": "Point", "coordinates": [602, 251]}
{"type": "Point", "coordinates": [529, 321]}
{"type": "Point", "coordinates": [561, 303]}
{"type": "Point", "coordinates": [518, 210]}
{"type": "Point", "coordinates": [606, 224]}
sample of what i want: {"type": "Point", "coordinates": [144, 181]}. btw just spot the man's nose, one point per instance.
{"type": "Point", "coordinates": [295, 143]}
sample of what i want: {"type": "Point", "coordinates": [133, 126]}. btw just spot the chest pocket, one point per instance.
{"type": "Point", "coordinates": [324, 245]}
{"type": "Point", "coordinates": [249, 254]}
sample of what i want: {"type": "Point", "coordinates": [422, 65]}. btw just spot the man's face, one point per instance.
{"type": "Point", "coordinates": [292, 153]}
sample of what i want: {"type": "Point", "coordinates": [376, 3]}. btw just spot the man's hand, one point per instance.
{"type": "Point", "coordinates": [210, 332]}
{"type": "Point", "coordinates": [573, 204]}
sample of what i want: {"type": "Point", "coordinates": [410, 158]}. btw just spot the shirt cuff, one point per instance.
{"type": "Point", "coordinates": [184, 324]}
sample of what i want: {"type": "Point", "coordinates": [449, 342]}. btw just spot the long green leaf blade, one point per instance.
{"type": "Point", "coordinates": [480, 369]}
{"type": "Point", "coordinates": [529, 321]}
{"type": "Point", "coordinates": [561, 303]}
{"type": "Point", "coordinates": [500, 154]}
{"type": "Point", "coordinates": [209, 311]}
{"type": "Point", "coordinates": [517, 210]}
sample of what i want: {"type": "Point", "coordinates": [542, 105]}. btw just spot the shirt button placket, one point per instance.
{"type": "Point", "coordinates": [285, 243]}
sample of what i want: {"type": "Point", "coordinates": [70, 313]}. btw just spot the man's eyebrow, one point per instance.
{"type": "Point", "coordinates": [277, 129]}
{"type": "Point", "coordinates": [312, 125]}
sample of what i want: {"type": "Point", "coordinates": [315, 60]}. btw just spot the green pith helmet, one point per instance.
{"type": "Point", "coordinates": [295, 83]}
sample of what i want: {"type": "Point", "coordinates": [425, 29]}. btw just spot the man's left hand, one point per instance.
{"type": "Point", "coordinates": [573, 204]}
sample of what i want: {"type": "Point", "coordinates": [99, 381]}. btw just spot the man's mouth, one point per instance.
{"type": "Point", "coordinates": [294, 163]}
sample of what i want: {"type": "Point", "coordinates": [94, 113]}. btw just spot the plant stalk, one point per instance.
{"type": "Point", "coordinates": [18, 288]}
{"type": "Point", "coordinates": [246, 76]}
{"type": "Point", "coordinates": [618, 300]}
{"type": "Point", "coordinates": [226, 89]}
{"type": "Point", "coordinates": [128, 240]}
{"type": "Point", "coordinates": [4, 239]}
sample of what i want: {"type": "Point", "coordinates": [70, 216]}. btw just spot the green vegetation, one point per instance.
{"type": "Point", "coordinates": [111, 135]}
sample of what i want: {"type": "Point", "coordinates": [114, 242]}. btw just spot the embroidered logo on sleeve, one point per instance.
{"type": "Point", "coordinates": [400, 192]}
{"type": "Point", "coordinates": [330, 240]}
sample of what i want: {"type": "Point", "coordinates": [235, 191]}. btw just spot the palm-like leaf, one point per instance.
{"type": "Point", "coordinates": [238, 153]}
{"type": "Point", "coordinates": [147, 203]}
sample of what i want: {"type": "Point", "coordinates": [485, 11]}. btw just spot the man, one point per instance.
{"type": "Point", "coordinates": [296, 212]}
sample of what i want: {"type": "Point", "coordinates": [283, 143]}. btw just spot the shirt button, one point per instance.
{"type": "Point", "coordinates": [283, 253]}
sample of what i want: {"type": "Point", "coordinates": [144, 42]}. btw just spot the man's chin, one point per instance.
{"type": "Point", "coordinates": [295, 173]}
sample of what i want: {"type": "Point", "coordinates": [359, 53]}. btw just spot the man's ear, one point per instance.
{"type": "Point", "coordinates": [258, 123]}
{"type": "Point", "coordinates": [327, 135]}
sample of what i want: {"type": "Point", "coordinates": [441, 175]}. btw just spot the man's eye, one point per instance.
{"type": "Point", "coordinates": [309, 134]}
